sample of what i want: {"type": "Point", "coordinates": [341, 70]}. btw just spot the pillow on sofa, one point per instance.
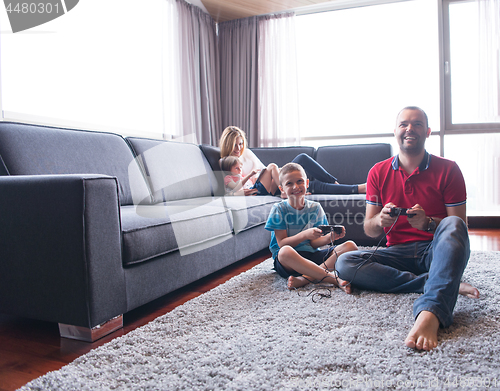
{"type": "Point", "coordinates": [350, 163]}
{"type": "Point", "coordinates": [27, 149]}
{"type": "Point", "coordinates": [213, 156]}
{"type": "Point", "coordinates": [281, 155]}
{"type": "Point", "coordinates": [174, 170]}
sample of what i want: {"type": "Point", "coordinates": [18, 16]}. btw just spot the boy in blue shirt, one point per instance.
{"type": "Point", "coordinates": [295, 237]}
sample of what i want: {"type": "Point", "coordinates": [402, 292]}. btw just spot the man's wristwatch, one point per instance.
{"type": "Point", "coordinates": [431, 225]}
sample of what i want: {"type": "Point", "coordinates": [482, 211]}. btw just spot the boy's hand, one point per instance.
{"type": "Point", "coordinates": [338, 236]}
{"type": "Point", "coordinates": [313, 233]}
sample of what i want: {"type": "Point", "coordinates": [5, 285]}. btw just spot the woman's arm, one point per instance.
{"type": "Point", "coordinates": [250, 162]}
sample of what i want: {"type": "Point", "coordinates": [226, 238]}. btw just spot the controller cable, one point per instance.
{"type": "Point", "coordinates": [316, 291]}
{"type": "Point", "coordinates": [323, 291]}
{"type": "Point", "coordinates": [375, 250]}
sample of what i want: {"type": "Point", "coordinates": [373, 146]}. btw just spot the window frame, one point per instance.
{"type": "Point", "coordinates": [447, 127]}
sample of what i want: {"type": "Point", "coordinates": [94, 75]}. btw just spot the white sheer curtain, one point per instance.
{"type": "Point", "coordinates": [488, 167]}
{"type": "Point", "coordinates": [191, 77]}
{"type": "Point", "coordinates": [279, 120]}
{"type": "Point", "coordinates": [259, 78]}
{"type": "Point", "coordinates": [489, 59]}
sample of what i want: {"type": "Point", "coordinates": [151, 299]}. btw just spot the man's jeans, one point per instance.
{"type": "Point", "coordinates": [433, 268]}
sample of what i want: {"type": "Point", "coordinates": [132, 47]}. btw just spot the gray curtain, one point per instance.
{"type": "Point", "coordinates": [239, 51]}
{"type": "Point", "coordinates": [199, 74]}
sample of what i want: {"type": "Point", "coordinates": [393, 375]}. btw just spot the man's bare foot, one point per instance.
{"type": "Point", "coordinates": [423, 334]}
{"type": "Point", "coordinates": [468, 290]}
{"type": "Point", "coordinates": [296, 282]}
{"type": "Point", "coordinates": [342, 284]}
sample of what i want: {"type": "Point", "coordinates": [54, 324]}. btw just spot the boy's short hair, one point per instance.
{"type": "Point", "coordinates": [291, 167]}
{"type": "Point", "coordinates": [228, 162]}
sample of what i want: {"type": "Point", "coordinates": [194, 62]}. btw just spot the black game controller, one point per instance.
{"type": "Point", "coordinates": [400, 212]}
{"type": "Point", "coordinates": [329, 228]}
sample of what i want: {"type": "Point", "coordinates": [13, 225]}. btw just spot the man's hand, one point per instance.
{"type": "Point", "coordinates": [384, 217]}
{"type": "Point", "coordinates": [420, 220]}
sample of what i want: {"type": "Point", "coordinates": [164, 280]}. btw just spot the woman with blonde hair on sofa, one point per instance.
{"type": "Point", "coordinates": [233, 142]}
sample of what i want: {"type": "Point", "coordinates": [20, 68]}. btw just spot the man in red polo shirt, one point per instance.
{"type": "Point", "coordinates": [428, 250]}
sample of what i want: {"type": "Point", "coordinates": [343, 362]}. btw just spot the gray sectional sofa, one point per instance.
{"type": "Point", "coordinates": [95, 225]}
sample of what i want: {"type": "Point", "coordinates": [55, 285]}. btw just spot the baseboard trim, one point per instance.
{"type": "Point", "coordinates": [483, 221]}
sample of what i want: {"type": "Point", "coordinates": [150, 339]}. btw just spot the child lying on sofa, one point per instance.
{"type": "Point", "coordinates": [295, 238]}
{"type": "Point", "coordinates": [233, 181]}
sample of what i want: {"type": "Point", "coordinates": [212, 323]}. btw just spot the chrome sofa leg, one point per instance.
{"type": "Point", "coordinates": [91, 334]}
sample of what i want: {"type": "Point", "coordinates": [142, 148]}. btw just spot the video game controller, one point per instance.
{"type": "Point", "coordinates": [400, 212]}
{"type": "Point", "coordinates": [329, 228]}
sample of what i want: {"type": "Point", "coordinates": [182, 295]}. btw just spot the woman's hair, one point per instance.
{"type": "Point", "coordinates": [228, 162]}
{"type": "Point", "coordinates": [228, 140]}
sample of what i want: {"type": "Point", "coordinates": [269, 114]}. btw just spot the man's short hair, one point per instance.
{"type": "Point", "coordinates": [291, 167]}
{"type": "Point", "coordinates": [415, 108]}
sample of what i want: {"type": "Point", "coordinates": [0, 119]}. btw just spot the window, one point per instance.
{"type": "Point", "coordinates": [99, 66]}
{"type": "Point", "coordinates": [358, 67]}
{"type": "Point", "coordinates": [471, 54]}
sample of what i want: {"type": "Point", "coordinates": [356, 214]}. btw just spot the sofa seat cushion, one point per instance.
{"type": "Point", "coordinates": [248, 212]}
{"type": "Point", "coordinates": [184, 225]}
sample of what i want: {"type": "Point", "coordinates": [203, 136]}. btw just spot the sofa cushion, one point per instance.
{"type": "Point", "coordinates": [41, 150]}
{"type": "Point", "coordinates": [212, 154]}
{"type": "Point", "coordinates": [249, 212]}
{"type": "Point", "coordinates": [281, 155]}
{"type": "Point", "coordinates": [186, 225]}
{"type": "Point", "coordinates": [350, 163]}
{"type": "Point", "coordinates": [175, 171]}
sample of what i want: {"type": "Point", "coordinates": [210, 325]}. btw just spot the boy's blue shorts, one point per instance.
{"type": "Point", "coordinates": [318, 257]}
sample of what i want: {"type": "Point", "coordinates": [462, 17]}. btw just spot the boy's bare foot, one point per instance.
{"type": "Point", "coordinates": [468, 290]}
{"type": "Point", "coordinates": [297, 282]}
{"type": "Point", "coordinates": [423, 334]}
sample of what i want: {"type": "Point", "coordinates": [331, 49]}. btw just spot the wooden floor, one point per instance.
{"type": "Point", "coordinates": [30, 348]}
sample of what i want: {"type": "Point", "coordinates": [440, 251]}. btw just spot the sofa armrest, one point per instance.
{"type": "Point", "coordinates": [60, 248]}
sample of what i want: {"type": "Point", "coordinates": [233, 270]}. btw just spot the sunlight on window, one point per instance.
{"type": "Point", "coordinates": [478, 156]}
{"type": "Point", "coordinates": [464, 70]}
{"type": "Point", "coordinates": [358, 67]}
{"type": "Point", "coordinates": [472, 80]}
{"type": "Point", "coordinates": [100, 65]}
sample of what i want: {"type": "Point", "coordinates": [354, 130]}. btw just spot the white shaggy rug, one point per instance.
{"type": "Point", "coordinates": [252, 333]}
